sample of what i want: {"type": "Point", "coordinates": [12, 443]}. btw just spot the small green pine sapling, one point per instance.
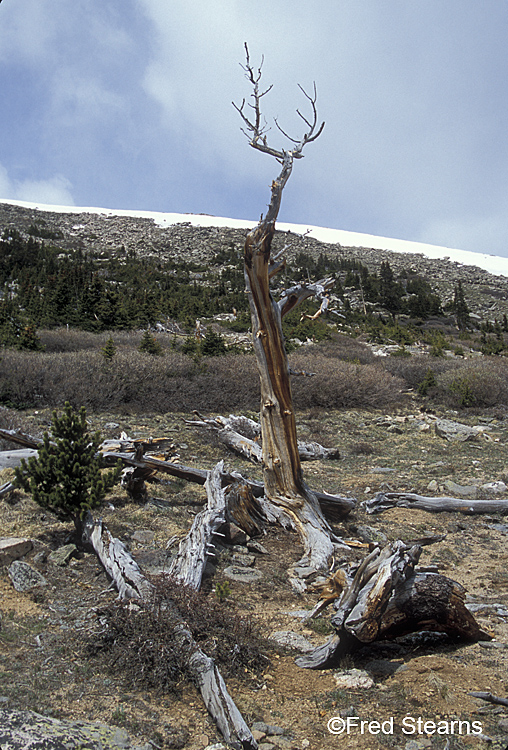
{"type": "Point", "coordinates": [66, 476]}
{"type": "Point", "coordinates": [109, 351]}
{"type": "Point", "coordinates": [222, 590]}
{"type": "Point", "coordinates": [150, 345]}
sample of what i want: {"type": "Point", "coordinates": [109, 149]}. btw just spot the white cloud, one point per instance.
{"type": "Point", "coordinates": [54, 190]}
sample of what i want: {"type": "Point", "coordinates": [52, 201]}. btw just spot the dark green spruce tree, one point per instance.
{"type": "Point", "coordinates": [460, 307]}
{"type": "Point", "coordinates": [66, 476]}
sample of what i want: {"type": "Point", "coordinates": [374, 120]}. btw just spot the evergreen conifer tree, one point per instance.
{"type": "Point", "coordinates": [109, 351]}
{"type": "Point", "coordinates": [460, 307]}
{"type": "Point", "coordinates": [149, 344]}
{"type": "Point", "coordinates": [66, 476]}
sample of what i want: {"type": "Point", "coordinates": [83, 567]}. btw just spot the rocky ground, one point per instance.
{"type": "Point", "coordinates": [110, 235]}
{"type": "Point", "coordinates": [44, 667]}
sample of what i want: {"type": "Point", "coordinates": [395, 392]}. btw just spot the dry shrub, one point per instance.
{"type": "Point", "coordinates": [138, 381]}
{"type": "Point", "coordinates": [338, 384]}
{"type": "Point", "coordinates": [362, 449]}
{"type": "Point", "coordinates": [58, 340]}
{"type": "Point", "coordinates": [348, 349]}
{"type": "Point", "coordinates": [414, 369]}
{"type": "Point", "coordinates": [478, 383]}
{"type": "Point", "coordinates": [140, 643]}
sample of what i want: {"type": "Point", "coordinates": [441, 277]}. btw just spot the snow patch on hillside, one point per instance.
{"type": "Point", "coordinates": [492, 263]}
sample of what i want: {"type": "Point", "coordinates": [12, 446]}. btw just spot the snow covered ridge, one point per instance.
{"type": "Point", "coordinates": [491, 263]}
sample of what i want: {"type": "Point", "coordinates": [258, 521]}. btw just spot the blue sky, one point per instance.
{"type": "Point", "coordinates": [127, 104]}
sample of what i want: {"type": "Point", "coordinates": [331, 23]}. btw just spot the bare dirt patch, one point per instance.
{"type": "Point", "coordinates": [44, 667]}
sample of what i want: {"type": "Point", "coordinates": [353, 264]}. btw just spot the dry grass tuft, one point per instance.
{"type": "Point", "coordinates": [140, 642]}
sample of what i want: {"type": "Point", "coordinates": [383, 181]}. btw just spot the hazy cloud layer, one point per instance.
{"type": "Point", "coordinates": [128, 104]}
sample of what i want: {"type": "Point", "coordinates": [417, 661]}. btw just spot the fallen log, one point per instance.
{"type": "Point", "coordinates": [190, 561]}
{"type": "Point", "coordinates": [131, 583]}
{"type": "Point", "coordinates": [334, 507]}
{"type": "Point", "coordinates": [11, 459]}
{"type": "Point", "coordinates": [387, 598]}
{"type": "Point", "coordinates": [6, 488]}
{"type": "Point", "coordinates": [490, 698]}
{"type": "Point", "coordinates": [386, 500]}
{"type": "Point", "coordinates": [21, 438]}
{"type": "Point", "coordinates": [242, 436]}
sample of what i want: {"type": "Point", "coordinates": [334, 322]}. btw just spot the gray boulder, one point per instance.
{"type": "Point", "coordinates": [26, 730]}
{"type": "Point", "coordinates": [24, 577]}
{"type": "Point", "coordinates": [12, 548]}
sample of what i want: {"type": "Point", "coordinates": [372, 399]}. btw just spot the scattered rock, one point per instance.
{"type": "Point", "coordinates": [143, 536]}
{"type": "Point", "coordinates": [290, 639]}
{"type": "Point", "coordinates": [154, 562]}
{"type": "Point", "coordinates": [12, 548]}
{"type": "Point", "coordinates": [449, 430]}
{"type": "Point", "coordinates": [352, 679]}
{"type": "Point", "coordinates": [503, 724]}
{"type": "Point", "coordinates": [394, 430]}
{"type": "Point", "coordinates": [247, 561]}
{"type": "Point", "coordinates": [370, 534]}
{"type": "Point", "coordinates": [24, 730]}
{"type": "Point", "coordinates": [495, 488]}
{"type": "Point", "coordinates": [254, 546]}
{"type": "Point", "coordinates": [273, 730]}
{"type": "Point", "coordinates": [258, 735]}
{"type": "Point", "coordinates": [382, 667]}
{"type": "Point", "coordinates": [234, 534]}
{"type": "Point", "coordinates": [259, 726]}
{"type": "Point", "coordinates": [458, 489]}
{"type": "Point", "coordinates": [62, 555]}
{"type": "Point", "coordinates": [24, 577]}
{"type": "Point", "coordinates": [243, 575]}
{"type": "Point", "coordinates": [111, 426]}
{"type": "Point", "coordinates": [432, 485]}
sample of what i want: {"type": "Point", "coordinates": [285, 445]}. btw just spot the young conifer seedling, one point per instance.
{"type": "Point", "coordinates": [66, 477]}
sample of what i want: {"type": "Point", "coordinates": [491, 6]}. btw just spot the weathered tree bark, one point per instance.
{"type": "Point", "coordinates": [11, 459]}
{"type": "Point", "coordinates": [335, 507]}
{"type": "Point", "coordinates": [386, 598]}
{"type": "Point", "coordinates": [384, 501]}
{"type": "Point", "coordinates": [131, 583]}
{"type": "Point", "coordinates": [117, 561]}
{"type": "Point", "coordinates": [282, 472]}
{"type": "Point", "coordinates": [6, 488]}
{"type": "Point", "coordinates": [248, 445]}
{"type": "Point", "coordinates": [490, 698]}
{"type": "Point", "coordinates": [189, 564]}
{"type": "Point", "coordinates": [21, 438]}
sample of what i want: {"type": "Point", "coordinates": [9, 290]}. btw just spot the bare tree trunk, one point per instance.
{"type": "Point", "coordinates": [282, 471]}
{"type": "Point", "coordinates": [131, 583]}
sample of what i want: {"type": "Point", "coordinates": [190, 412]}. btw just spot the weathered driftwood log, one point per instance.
{"type": "Point", "coordinates": [117, 561]}
{"type": "Point", "coordinates": [334, 507]}
{"type": "Point", "coordinates": [386, 598]}
{"type": "Point", "coordinates": [490, 698]}
{"type": "Point", "coordinates": [130, 582]}
{"type": "Point", "coordinates": [189, 564]}
{"type": "Point", "coordinates": [11, 459]}
{"type": "Point", "coordinates": [21, 438]}
{"type": "Point", "coordinates": [6, 488]}
{"type": "Point", "coordinates": [386, 500]}
{"type": "Point", "coordinates": [242, 436]}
